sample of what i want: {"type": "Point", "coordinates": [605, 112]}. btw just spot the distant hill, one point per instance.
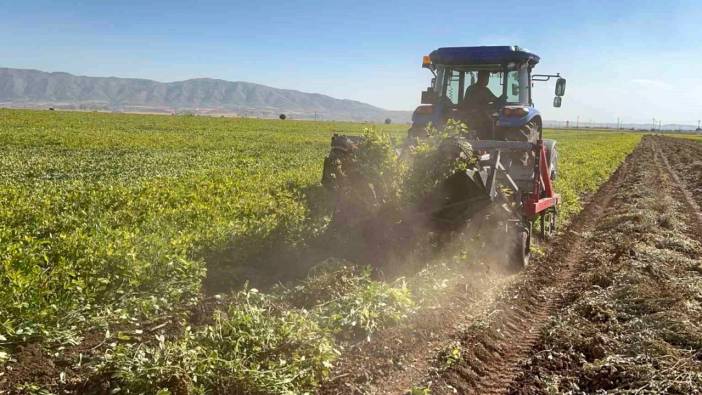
{"type": "Point", "coordinates": [38, 89]}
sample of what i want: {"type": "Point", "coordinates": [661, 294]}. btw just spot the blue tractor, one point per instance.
{"type": "Point", "coordinates": [488, 89]}
{"type": "Point", "coordinates": [505, 110]}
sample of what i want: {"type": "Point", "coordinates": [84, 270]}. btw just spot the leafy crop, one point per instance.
{"type": "Point", "coordinates": [689, 136]}
{"type": "Point", "coordinates": [367, 180]}
{"type": "Point", "coordinates": [254, 346]}
{"type": "Point", "coordinates": [434, 159]}
{"type": "Point", "coordinates": [586, 160]}
{"type": "Point", "coordinates": [104, 216]}
{"type": "Point", "coordinates": [349, 303]}
{"type": "Point", "coordinates": [404, 179]}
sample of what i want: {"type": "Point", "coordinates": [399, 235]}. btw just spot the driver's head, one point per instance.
{"type": "Point", "coordinates": [483, 77]}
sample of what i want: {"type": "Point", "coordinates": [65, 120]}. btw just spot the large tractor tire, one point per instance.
{"type": "Point", "coordinates": [529, 132]}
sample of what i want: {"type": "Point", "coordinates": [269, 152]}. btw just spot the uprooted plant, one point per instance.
{"type": "Point", "coordinates": [375, 175]}
{"type": "Point", "coordinates": [433, 159]}
{"type": "Point", "coordinates": [283, 342]}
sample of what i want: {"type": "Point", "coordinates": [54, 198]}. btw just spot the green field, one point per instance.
{"type": "Point", "coordinates": [689, 136]}
{"type": "Point", "coordinates": [111, 220]}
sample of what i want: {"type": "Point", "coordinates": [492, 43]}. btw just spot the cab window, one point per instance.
{"type": "Point", "coordinates": [512, 87]}
{"type": "Point", "coordinates": [494, 83]}
{"type": "Point", "coordinates": [453, 88]}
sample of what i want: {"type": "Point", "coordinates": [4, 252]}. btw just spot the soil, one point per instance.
{"type": "Point", "coordinates": [69, 369]}
{"type": "Point", "coordinates": [643, 222]}
{"type": "Point", "coordinates": [633, 323]}
{"type": "Point", "coordinates": [398, 356]}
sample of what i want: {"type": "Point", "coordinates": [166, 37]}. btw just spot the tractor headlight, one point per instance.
{"type": "Point", "coordinates": [517, 112]}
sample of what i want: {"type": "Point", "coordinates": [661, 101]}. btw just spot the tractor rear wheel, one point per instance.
{"type": "Point", "coordinates": [529, 132]}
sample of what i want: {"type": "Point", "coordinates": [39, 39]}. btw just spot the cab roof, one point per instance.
{"type": "Point", "coordinates": [456, 56]}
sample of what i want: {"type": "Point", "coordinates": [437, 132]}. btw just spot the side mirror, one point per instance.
{"type": "Point", "coordinates": [557, 101]}
{"type": "Point", "coordinates": [560, 86]}
{"type": "Point", "coordinates": [428, 97]}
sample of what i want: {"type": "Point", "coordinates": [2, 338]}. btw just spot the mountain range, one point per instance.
{"type": "Point", "coordinates": [25, 88]}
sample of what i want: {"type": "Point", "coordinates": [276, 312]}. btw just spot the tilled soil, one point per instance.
{"type": "Point", "coordinates": [682, 160]}
{"type": "Point", "coordinates": [634, 321]}
{"type": "Point", "coordinates": [397, 357]}
{"type": "Point", "coordinates": [614, 305]}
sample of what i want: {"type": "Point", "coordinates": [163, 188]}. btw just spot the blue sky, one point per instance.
{"type": "Point", "coordinates": [630, 59]}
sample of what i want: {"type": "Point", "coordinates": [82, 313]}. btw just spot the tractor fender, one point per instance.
{"type": "Point", "coordinates": [423, 116]}
{"type": "Point", "coordinates": [517, 122]}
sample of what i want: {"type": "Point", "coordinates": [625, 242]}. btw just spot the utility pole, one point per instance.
{"type": "Point", "coordinates": [654, 124]}
{"type": "Point", "coordinates": [660, 126]}
{"type": "Point", "coordinates": [618, 123]}
{"type": "Point", "coordinates": [577, 123]}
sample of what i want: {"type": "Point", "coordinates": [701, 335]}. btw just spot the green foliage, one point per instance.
{"type": "Point", "coordinates": [378, 163]}
{"type": "Point", "coordinates": [586, 160]}
{"type": "Point", "coordinates": [372, 172]}
{"type": "Point", "coordinates": [434, 159]}
{"type": "Point", "coordinates": [420, 391]}
{"type": "Point", "coordinates": [103, 217]}
{"type": "Point", "coordinates": [255, 346]}
{"type": "Point", "coordinates": [329, 280]}
{"type": "Point", "coordinates": [450, 355]}
{"type": "Point", "coordinates": [689, 136]}
{"type": "Point", "coordinates": [262, 344]}
{"type": "Point", "coordinates": [371, 306]}
{"type": "Point", "coordinates": [400, 180]}
{"type": "Point", "coordinates": [349, 303]}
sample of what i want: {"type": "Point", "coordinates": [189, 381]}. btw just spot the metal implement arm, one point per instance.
{"type": "Point", "coordinates": [544, 77]}
{"type": "Point", "coordinates": [493, 174]}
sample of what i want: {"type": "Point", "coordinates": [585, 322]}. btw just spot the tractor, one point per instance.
{"type": "Point", "coordinates": [489, 89]}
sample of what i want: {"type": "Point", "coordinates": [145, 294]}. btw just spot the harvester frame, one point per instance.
{"type": "Point", "coordinates": [536, 204]}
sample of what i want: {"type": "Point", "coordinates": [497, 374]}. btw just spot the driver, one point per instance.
{"type": "Point", "coordinates": [479, 96]}
{"type": "Point", "coordinates": [477, 105]}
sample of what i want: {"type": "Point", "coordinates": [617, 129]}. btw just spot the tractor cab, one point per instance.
{"type": "Point", "coordinates": [488, 88]}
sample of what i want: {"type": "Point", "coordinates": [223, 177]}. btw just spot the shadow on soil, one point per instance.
{"type": "Point", "coordinates": [263, 262]}
{"type": "Point", "coordinates": [385, 240]}
{"type": "Point", "coordinates": [394, 243]}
